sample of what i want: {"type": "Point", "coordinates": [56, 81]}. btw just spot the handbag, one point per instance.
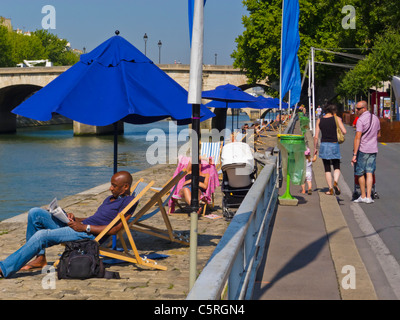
{"type": "Point", "coordinates": [340, 135]}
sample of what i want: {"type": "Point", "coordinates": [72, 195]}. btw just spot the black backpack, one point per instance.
{"type": "Point", "coordinates": [81, 260]}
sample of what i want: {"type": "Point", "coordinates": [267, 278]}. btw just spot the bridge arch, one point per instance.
{"type": "Point", "coordinates": [10, 98]}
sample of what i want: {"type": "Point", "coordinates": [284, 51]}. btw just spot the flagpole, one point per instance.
{"type": "Point", "coordinates": [194, 98]}
{"type": "Point", "coordinates": [280, 74]}
{"type": "Point", "coordinates": [313, 88]}
{"type": "Point", "coordinates": [309, 96]}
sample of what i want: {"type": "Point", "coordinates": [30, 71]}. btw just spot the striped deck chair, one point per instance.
{"type": "Point", "coordinates": [213, 150]}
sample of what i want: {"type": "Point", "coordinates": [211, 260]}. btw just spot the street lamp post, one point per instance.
{"type": "Point", "coordinates": [215, 59]}
{"type": "Point", "coordinates": [145, 37]}
{"type": "Point", "coordinates": [159, 51]}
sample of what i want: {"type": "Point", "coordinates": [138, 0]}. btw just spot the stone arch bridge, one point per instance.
{"type": "Point", "coordinates": [17, 84]}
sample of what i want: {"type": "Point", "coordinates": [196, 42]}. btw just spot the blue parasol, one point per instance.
{"type": "Point", "coordinates": [113, 82]}
{"type": "Point", "coordinates": [227, 96]}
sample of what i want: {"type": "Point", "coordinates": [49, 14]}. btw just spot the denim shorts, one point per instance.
{"type": "Point", "coordinates": [366, 163]}
{"type": "Point", "coordinates": [329, 150]}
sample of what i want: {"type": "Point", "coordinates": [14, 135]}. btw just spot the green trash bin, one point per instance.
{"type": "Point", "coordinates": [304, 124]}
{"type": "Point", "coordinates": [292, 149]}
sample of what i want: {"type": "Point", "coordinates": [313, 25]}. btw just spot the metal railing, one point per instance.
{"type": "Point", "coordinates": [237, 256]}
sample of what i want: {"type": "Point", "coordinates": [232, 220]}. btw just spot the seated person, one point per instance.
{"type": "Point", "coordinates": [256, 127]}
{"type": "Point", "coordinates": [44, 230]}
{"type": "Point", "coordinates": [186, 191]}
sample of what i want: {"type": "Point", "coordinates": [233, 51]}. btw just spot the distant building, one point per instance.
{"type": "Point", "coordinates": [6, 22]}
{"type": "Point", "coordinates": [25, 33]}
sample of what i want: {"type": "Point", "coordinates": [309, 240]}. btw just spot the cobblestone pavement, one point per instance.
{"type": "Point", "coordinates": [136, 282]}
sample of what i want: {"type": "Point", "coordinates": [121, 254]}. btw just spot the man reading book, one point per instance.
{"type": "Point", "coordinates": [44, 230]}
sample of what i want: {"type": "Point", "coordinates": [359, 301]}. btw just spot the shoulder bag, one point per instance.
{"type": "Point", "coordinates": [340, 135]}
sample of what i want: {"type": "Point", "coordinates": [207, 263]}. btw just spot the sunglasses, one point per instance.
{"type": "Point", "coordinates": [360, 108]}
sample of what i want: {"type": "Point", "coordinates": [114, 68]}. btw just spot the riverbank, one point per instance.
{"type": "Point", "coordinates": [23, 122]}
{"type": "Point", "coordinates": [136, 282]}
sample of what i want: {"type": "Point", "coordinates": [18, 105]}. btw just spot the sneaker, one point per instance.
{"type": "Point", "coordinates": [360, 200]}
{"type": "Point", "coordinates": [368, 200]}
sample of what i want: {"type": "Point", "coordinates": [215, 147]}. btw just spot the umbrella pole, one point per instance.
{"type": "Point", "coordinates": [194, 195]}
{"type": "Point", "coordinates": [115, 147]}
{"type": "Point", "coordinates": [194, 98]}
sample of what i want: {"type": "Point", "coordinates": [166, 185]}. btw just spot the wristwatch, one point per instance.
{"type": "Point", "coordinates": [88, 228]}
{"type": "Point", "coordinates": [354, 154]}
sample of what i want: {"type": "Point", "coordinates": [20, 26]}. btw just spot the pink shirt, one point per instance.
{"type": "Point", "coordinates": [369, 140]}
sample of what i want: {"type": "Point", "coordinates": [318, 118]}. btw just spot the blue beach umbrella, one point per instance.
{"type": "Point", "coordinates": [260, 103]}
{"type": "Point", "coordinates": [271, 103]}
{"type": "Point", "coordinates": [113, 82]}
{"type": "Point", "coordinates": [227, 96]}
{"type": "Point", "coordinates": [228, 93]}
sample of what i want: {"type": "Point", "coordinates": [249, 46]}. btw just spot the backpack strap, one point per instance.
{"type": "Point", "coordinates": [370, 122]}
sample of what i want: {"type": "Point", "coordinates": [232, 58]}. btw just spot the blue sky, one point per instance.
{"type": "Point", "coordinates": [87, 23]}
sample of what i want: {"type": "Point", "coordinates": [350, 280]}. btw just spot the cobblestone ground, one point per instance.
{"type": "Point", "coordinates": [136, 282]}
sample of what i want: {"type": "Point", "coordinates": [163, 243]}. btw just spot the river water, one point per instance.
{"type": "Point", "coordinates": [41, 163]}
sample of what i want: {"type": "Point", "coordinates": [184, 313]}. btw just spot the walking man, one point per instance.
{"type": "Point", "coordinates": [368, 130]}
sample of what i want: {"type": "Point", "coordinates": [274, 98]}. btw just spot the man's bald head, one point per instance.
{"type": "Point", "coordinates": [124, 176]}
{"type": "Point", "coordinates": [121, 183]}
{"type": "Point", "coordinates": [362, 104]}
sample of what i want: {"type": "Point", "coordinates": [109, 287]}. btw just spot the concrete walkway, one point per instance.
{"type": "Point", "coordinates": [311, 254]}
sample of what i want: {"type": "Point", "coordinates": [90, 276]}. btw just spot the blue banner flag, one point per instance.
{"type": "Point", "coordinates": [290, 69]}
{"type": "Point", "coordinates": [191, 10]}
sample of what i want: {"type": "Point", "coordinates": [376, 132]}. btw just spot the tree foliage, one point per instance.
{"type": "Point", "coordinates": [5, 48]}
{"type": "Point", "coordinates": [40, 45]}
{"type": "Point", "coordinates": [380, 65]}
{"type": "Point", "coordinates": [320, 26]}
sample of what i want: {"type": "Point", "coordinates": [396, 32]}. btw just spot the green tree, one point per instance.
{"type": "Point", "coordinates": [56, 49]}
{"type": "Point", "coordinates": [320, 26]}
{"type": "Point", "coordinates": [26, 48]}
{"type": "Point", "coordinates": [40, 45]}
{"type": "Point", "coordinates": [380, 65]}
{"type": "Point", "coordinates": [5, 48]}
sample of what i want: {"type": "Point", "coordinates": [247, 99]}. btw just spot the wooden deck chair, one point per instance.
{"type": "Point", "coordinates": [254, 142]}
{"type": "Point", "coordinates": [180, 202]}
{"type": "Point", "coordinates": [148, 210]}
{"type": "Point", "coordinates": [133, 257]}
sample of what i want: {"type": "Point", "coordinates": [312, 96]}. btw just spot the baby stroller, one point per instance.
{"type": "Point", "coordinates": [239, 170]}
{"type": "Point", "coordinates": [357, 191]}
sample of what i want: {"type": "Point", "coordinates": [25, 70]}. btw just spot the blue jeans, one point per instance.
{"type": "Point", "coordinates": [43, 231]}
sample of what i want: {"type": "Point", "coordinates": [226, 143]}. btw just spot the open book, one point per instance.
{"type": "Point", "coordinates": [57, 211]}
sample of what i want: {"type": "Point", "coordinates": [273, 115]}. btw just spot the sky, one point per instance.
{"type": "Point", "coordinates": [87, 23]}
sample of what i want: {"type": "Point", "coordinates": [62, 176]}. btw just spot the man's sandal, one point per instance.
{"type": "Point", "coordinates": [29, 267]}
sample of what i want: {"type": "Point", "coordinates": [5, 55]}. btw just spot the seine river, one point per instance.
{"type": "Point", "coordinates": [41, 163]}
